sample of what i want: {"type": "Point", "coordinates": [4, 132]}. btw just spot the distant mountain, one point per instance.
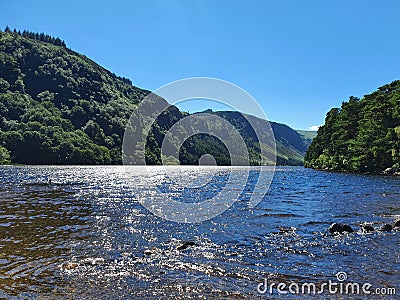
{"type": "Point", "coordinates": [290, 145]}
{"type": "Point", "coordinates": [59, 107]}
{"type": "Point", "coordinates": [362, 136]}
{"type": "Point", "coordinates": [307, 134]}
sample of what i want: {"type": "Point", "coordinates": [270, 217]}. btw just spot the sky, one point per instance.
{"type": "Point", "coordinates": [298, 59]}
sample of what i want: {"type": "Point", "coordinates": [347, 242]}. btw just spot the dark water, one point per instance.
{"type": "Point", "coordinates": [91, 216]}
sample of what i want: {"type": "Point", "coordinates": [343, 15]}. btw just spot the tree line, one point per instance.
{"type": "Point", "coordinates": [38, 36]}
{"type": "Point", "coordinates": [361, 136]}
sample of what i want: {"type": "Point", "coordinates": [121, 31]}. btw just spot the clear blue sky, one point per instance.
{"type": "Point", "coordinates": [297, 58]}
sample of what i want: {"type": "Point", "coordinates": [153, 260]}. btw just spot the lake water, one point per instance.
{"type": "Point", "coordinates": [91, 216]}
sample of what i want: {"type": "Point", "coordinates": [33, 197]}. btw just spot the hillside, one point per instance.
{"type": "Point", "coordinates": [308, 134]}
{"type": "Point", "coordinates": [362, 136]}
{"type": "Point", "coordinates": [59, 107]}
{"type": "Point", "coordinates": [290, 145]}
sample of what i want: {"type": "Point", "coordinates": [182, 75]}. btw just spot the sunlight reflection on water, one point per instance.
{"type": "Point", "coordinates": [91, 213]}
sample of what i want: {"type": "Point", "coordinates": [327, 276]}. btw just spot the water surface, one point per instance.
{"type": "Point", "coordinates": [90, 213]}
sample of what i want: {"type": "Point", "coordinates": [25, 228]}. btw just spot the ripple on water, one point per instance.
{"type": "Point", "coordinates": [91, 214]}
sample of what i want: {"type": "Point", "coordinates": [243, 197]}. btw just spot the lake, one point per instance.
{"type": "Point", "coordinates": [86, 235]}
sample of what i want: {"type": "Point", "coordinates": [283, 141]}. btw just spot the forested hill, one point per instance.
{"type": "Point", "coordinates": [59, 107]}
{"type": "Point", "coordinates": [362, 136]}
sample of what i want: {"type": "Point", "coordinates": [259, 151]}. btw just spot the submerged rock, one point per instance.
{"type": "Point", "coordinates": [347, 228]}
{"type": "Point", "coordinates": [84, 262]}
{"type": "Point", "coordinates": [386, 227]}
{"type": "Point", "coordinates": [367, 228]}
{"type": "Point", "coordinates": [186, 245]}
{"type": "Point", "coordinates": [69, 265]}
{"type": "Point", "coordinates": [150, 251]}
{"type": "Point", "coordinates": [396, 223]}
{"type": "Point", "coordinates": [336, 228]}
{"type": "Point", "coordinates": [91, 261]}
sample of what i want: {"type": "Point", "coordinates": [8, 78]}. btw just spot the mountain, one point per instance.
{"type": "Point", "coordinates": [362, 136]}
{"type": "Point", "coordinates": [307, 134]}
{"type": "Point", "coordinates": [290, 145]}
{"type": "Point", "coordinates": [59, 107]}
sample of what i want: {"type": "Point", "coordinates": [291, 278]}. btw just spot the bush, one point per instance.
{"type": "Point", "coordinates": [4, 156]}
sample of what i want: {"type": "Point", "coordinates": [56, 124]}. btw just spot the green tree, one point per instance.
{"type": "Point", "coordinates": [4, 156]}
{"type": "Point", "coordinates": [361, 136]}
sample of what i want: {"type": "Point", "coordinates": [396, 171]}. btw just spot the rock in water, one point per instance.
{"type": "Point", "coordinates": [185, 245]}
{"type": "Point", "coordinates": [388, 171]}
{"type": "Point", "coordinates": [396, 223]}
{"type": "Point", "coordinates": [347, 228]}
{"type": "Point", "coordinates": [386, 227]}
{"type": "Point", "coordinates": [336, 228]}
{"type": "Point", "coordinates": [367, 228]}
{"type": "Point", "coordinates": [150, 251]}
{"type": "Point", "coordinates": [69, 265]}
